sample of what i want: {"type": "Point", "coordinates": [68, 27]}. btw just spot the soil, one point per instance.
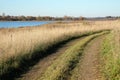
{"type": "Point", "coordinates": [90, 62]}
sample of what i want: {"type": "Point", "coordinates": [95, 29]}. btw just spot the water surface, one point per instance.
{"type": "Point", "coordinates": [15, 24]}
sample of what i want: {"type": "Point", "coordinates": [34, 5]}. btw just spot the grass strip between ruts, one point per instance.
{"type": "Point", "coordinates": [67, 61]}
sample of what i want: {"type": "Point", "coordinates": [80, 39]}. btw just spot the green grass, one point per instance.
{"type": "Point", "coordinates": [61, 67]}
{"type": "Point", "coordinates": [110, 66]}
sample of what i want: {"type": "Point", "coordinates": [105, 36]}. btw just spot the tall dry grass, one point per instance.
{"type": "Point", "coordinates": [20, 41]}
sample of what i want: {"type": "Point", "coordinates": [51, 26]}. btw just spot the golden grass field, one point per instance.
{"type": "Point", "coordinates": [20, 41]}
{"type": "Point", "coordinates": [17, 42]}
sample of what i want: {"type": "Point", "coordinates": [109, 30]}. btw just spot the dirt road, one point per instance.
{"type": "Point", "coordinates": [36, 71]}
{"type": "Point", "coordinates": [89, 65]}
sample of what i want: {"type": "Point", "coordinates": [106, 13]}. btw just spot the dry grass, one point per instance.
{"type": "Point", "coordinates": [21, 41]}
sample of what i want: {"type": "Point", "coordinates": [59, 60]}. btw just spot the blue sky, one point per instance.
{"type": "Point", "coordinates": [88, 8]}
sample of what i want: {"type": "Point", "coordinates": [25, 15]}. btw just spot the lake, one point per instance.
{"type": "Point", "coordinates": [15, 24]}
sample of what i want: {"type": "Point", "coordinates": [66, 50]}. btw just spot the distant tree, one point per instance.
{"type": "Point", "coordinates": [0, 18]}
{"type": "Point", "coordinates": [108, 16]}
{"type": "Point", "coordinates": [3, 14]}
{"type": "Point", "coordinates": [81, 18]}
{"type": "Point", "coordinates": [8, 18]}
{"type": "Point", "coordinates": [22, 18]}
{"type": "Point", "coordinates": [65, 17]}
{"type": "Point", "coordinates": [38, 18]}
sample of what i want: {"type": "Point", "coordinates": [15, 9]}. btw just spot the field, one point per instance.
{"type": "Point", "coordinates": [79, 50]}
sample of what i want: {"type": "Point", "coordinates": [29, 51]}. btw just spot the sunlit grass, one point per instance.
{"type": "Point", "coordinates": [67, 61]}
{"type": "Point", "coordinates": [21, 43]}
{"type": "Point", "coordinates": [111, 56]}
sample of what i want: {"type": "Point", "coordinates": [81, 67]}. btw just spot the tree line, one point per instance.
{"type": "Point", "coordinates": [39, 18]}
{"type": "Point", "coordinates": [49, 18]}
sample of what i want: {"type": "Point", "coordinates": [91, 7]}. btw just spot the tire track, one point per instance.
{"type": "Point", "coordinates": [38, 69]}
{"type": "Point", "coordinates": [89, 66]}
